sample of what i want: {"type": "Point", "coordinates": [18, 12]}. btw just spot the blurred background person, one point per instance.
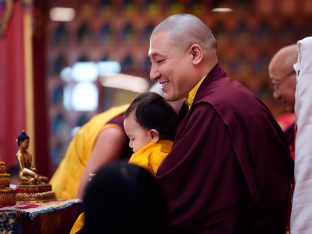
{"type": "Point", "coordinates": [283, 75]}
{"type": "Point", "coordinates": [98, 142]}
{"type": "Point", "coordinates": [283, 78]}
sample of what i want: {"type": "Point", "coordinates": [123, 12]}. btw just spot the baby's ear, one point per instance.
{"type": "Point", "coordinates": [154, 135]}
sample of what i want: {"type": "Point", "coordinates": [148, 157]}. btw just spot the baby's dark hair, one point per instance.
{"type": "Point", "coordinates": [152, 111]}
{"type": "Point", "coordinates": [23, 136]}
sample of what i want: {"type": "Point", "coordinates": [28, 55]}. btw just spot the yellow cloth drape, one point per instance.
{"type": "Point", "coordinates": [65, 180]}
{"type": "Point", "coordinates": [152, 155]}
{"type": "Point", "coordinates": [78, 225]}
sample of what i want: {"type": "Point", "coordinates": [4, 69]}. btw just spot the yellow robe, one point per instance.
{"type": "Point", "coordinates": [65, 180]}
{"type": "Point", "coordinates": [152, 155]}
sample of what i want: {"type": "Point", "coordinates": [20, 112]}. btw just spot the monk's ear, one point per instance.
{"type": "Point", "coordinates": [154, 135]}
{"type": "Point", "coordinates": [197, 53]}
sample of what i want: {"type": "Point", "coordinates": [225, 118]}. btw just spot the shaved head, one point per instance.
{"type": "Point", "coordinates": [182, 51]}
{"type": "Point", "coordinates": [283, 76]}
{"type": "Point", "coordinates": [283, 61]}
{"type": "Point", "coordinates": [180, 25]}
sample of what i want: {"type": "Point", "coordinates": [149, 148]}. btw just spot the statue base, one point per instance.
{"type": "Point", "coordinates": [38, 192]}
{"type": "Point", "coordinates": [7, 197]}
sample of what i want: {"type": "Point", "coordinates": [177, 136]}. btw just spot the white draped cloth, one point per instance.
{"type": "Point", "coordinates": [301, 216]}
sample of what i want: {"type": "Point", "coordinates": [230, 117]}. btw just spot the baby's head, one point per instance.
{"type": "Point", "coordinates": [149, 118]}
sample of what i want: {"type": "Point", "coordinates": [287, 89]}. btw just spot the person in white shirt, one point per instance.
{"type": "Point", "coordinates": [301, 216]}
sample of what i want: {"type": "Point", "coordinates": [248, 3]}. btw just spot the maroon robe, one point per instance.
{"type": "Point", "coordinates": [229, 170]}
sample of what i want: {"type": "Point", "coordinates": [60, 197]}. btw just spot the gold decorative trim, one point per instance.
{"type": "Point", "coordinates": [28, 62]}
{"type": "Point", "coordinates": [45, 196]}
{"type": "Point", "coordinates": [2, 169]}
{"type": "Point", "coordinates": [33, 188]}
{"type": "Point", "coordinates": [7, 197]}
{"type": "Point", "coordinates": [5, 180]}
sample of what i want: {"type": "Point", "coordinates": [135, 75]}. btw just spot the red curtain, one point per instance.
{"type": "Point", "coordinates": [12, 91]}
{"type": "Point", "coordinates": [13, 111]}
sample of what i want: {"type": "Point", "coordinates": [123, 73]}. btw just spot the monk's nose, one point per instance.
{"type": "Point", "coordinates": [154, 73]}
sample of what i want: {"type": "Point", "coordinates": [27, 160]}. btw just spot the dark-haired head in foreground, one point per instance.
{"type": "Point", "coordinates": [124, 198]}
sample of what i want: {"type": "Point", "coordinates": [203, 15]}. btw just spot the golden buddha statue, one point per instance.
{"type": "Point", "coordinates": [27, 173]}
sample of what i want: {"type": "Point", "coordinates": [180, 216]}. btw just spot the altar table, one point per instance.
{"type": "Point", "coordinates": [40, 217]}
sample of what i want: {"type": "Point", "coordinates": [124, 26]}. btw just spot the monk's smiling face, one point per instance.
{"type": "Point", "coordinates": [171, 66]}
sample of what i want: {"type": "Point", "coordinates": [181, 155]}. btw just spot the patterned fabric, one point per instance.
{"type": "Point", "coordinates": [8, 222]}
{"type": "Point", "coordinates": [10, 215]}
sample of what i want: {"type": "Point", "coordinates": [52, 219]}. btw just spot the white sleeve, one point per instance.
{"type": "Point", "coordinates": [301, 216]}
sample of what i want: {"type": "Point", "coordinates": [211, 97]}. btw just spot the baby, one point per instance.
{"type": "Point", "coordinates": [150, 123]}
